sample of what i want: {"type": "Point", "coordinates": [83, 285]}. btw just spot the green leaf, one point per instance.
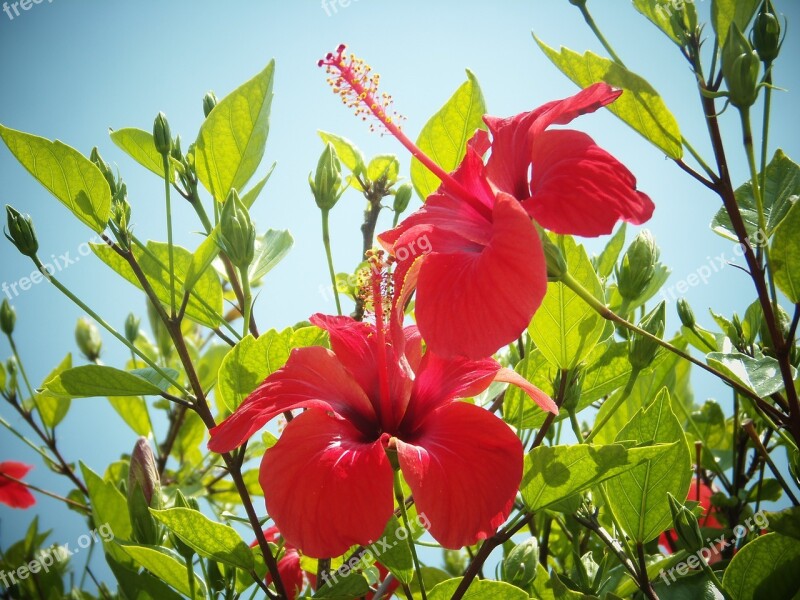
{"type": "Point", "coordinates": [167, 566]}
{"type": "Point", "coordinates": [444, 137]}
{"type": "Point", "coordinates": [397, 559]}
{"type": "Point", "coordinates": [138, 584]}
{"type": "Point", "coordinates": [354, 585]}
{"type": "Point", "coordinates": [479, 589]}
{"type": "Point", "coordinates": [190, 437]}
{"type": "Point", "coordinates": [383, 166]}
{"type": "Point", "coordinates": [659, 12]}
{"type": "Point", "coordinates": [64, 172]}
{"type": "Point", "coordinates": [552, 473]}
{"type": "Point", "coordinates": [640, 106]}
{"type": "Point", "coordinates": [781, 192]}
{"type": "Point", "coordinates": [692, 587]}
{"type": "Point", "coordinates": [202, 258]}
{"type": "Point", "coordinates": [785, 255]}
{"type": "Point", "coordinates": [209, 539]}
{"type": "Point", "coordinates": [133, 410]}
{"type": "Point", "coordinates": [139, 145]}
{"type": "Point", "coordinates": [233, 137]}
{"type": "Point", "coordinates": [53, 408]}
{"type": "Point", "coordinates": [762, 375]}
{"type": "Point", "coordinates": [270, 250]}
{"type": "Point", "coordinates": [638, 497]}
{"type": "Point", "coordinates": [725, 12]}
{"type": "Point", "coordinates": [251, 195]}
{"type": "Point", "coordinates": [89, 381]}
{"type": "Point", "coordinates": [347, 151]}
{"type": "Point", "coordinates": [249, 363]}
{"type": "Point", "coordinates": [765, 568]}
{"type": "Point", "coordinates": [565, 328]}
{"type": "Point", "coordinates": [108, 504]}
{"type": "Point", "coordinates": [518, 410]}
{"type": "Point", "coordinates": [608, 257]}
{"type": "Point", "coordinates": [204, 305]}
{"type": "Point", "coordinates": [785, 522]}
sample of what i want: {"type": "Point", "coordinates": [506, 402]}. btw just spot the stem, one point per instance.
{"type": "Point", "coordinates": [170, 246]}
{"type": "Point", "coordinates": [616, 404]}
{"type": "Point", "coordinates": [26, 441]}
{"type": "Point", "coordinates": [751, 431]}
{"type": "Point", "coordinates": [190, 575]}
{"type": "Point", "coordinates": [18, 360]}
{"type": "Point", "coordinates": [398, 493]}
{"type": "Point", "coordinates": [596, 30]}
{"type": "Point", "coordinates": [644, 579]}
{"type": "Point", "coordinates": [326, 240]}
{"type": "Point", "coordinates": [696, 155]}
{"type": "Point", "coordinates": [247, 300]}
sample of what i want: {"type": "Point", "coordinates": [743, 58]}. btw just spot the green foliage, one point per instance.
{"type": "Point", "coordinates": [139, 145]}
{"type": "Point", "coordinates": [479, 590]}
{"type": "Point", "coordinates": [765, 568]}
{"type": "Point", "coordinates": [88, 381]}
{"type": "Point", "coordinates": [786, 255]}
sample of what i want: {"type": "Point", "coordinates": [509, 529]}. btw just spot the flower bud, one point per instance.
{"type": "Point", "coordinates": [519, 567]}
{"type": "Point", "coordinates": [162, 137]}
{"type": "Point", "coordinates": [105, 169]}
{"type": "Point", "coordinates": [556, 265]}
{"type": "Point", "coordinates": [21, 232]}
{"type": "Point", "coordinates": [132, 328]}
{"type": "Point", "coordinates": [740, 68]}
{"type": "Point", "coordinates": [402, 197]}
{"type": "Point", "coordinates": [683, 21]}
{"type": "Point", "coordinates": [176, 152]}
{"type": "Point", "coordinates": [237, 236]}
{"type": "Point", "coordinates": [686, 526]}
{"type": "Point", "coordinates": [766, 34]}
{"type": "Point", "coordinates": [88, 339]}
{"type": "Point", "coordinates": [578, 2]}
{"type": "Point", "coordinates": [144, 492]}
{"type": "Point", "coordinates": [638, 266]}
{"type": "Point", "coordinates": [8, 317]}
{"type": "Point", "coordinates": [209, 102]}
{"type": "Point", "coordinates": [572, 393]}
{"type": "Point", "coordinates": [642, 350]}
{"type": "Point", "coordinates": [326, 184]}
{"type": "Point", "coordinates": [686, 314]}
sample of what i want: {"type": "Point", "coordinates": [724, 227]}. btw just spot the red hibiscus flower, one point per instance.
{"type": "Point", "coordinates": [699, 492]}
{"type": "Point", "coordinates": [328, 482]}
{"type": "Point", "coordinates": [12, 493]}
{"type": "Point", "coordinates": [486, 269]}
{"type": "Point", "coordinates": [289, 569]}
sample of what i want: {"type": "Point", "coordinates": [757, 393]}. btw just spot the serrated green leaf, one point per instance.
{"type": "Point", "coordinates": [89, 381]}
{"type": "Point", "coordinates": [479, 589]}
{"type": "Point", "coordinates": [552, 473]}
{"type": "Point", "coordinates": [139, 145]}
{"type": "Point", "coordinates": [725, 12]}
{"type": "Point", "coordinates": [640, 106]}
{"type": "Point", "coordinates": [785, 255]}
{"type": "Point", "coordinates": [347, 151]}
{"type": "Point", "coordinates": [270, 250]}
{"type": "Point", "coordinates": [765, 568]}
{"type": "Point", "coordinates": [565, 328]}
{"type": "Point", "coordinates": [64, 172]}
{"type": "Point", "coordinates": [638, 497]}
{"type": "Point", "coordinates": [780, 193]}
{"type": "Point", "coordinates": [207, 538]}
{"type": "Point", "coordinates": [133, 410]}
{"type": "Point", "coordinates": [233, 137]}
{"type": "Point", "coordinates": [444, 137]}
{"type": "Point", "coordinates": [54, 407]}
{"type": "Point", "coordinates": [762, 375]}
{"type": "Point", "coordinates": [167, 566]}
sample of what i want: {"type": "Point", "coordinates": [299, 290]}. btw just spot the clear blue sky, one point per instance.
{"type": "Point", "coordinates": [71, 70]}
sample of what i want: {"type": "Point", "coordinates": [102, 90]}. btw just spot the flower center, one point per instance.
{"type": "Point", "coordinates": [380, 293]}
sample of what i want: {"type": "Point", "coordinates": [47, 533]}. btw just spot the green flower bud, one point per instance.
{"type": "Point", "coordinates": [8, 317]}
{"type": "Point", "coordinates": [144, 492]}
{"type": "Point", "coordinates": [556, 264]}
{"type": "Point", "coordinates": [162, 137]}
{"type": "Point", "coordinates": [176, 152]}
{"type": "Point", "coordinates": [209, 102]}
{"type": "Point", "coordinates": [237, 235]}
{"type": "Point", "coordinates": [638, 266]}
{"type": "Point", "coordinates": [686, 526]}
{"type": "Point", "coordinates": [572, 393]}
{"type": "Point", "coordinates": [105, 169]}
{"type": "Point", "coordinates": [132, 327]}
{"type": "Point", "coordinates": [683, 21]}
{"type": "Point", "coordinates": [642, 350]}
{"type": "Point", "coordinates": [686, 314]}
{"type": "Point", "coordinates": [21, 232]}
{"type": "Point", "coordinates": [326, 185]}
{"type": "Point", "coordinates": [740, 68]}
{"type": "Point", "coordinates": [402, 197]}
{"type": "Point", "coordinates": [766, 33]}
{"type": "Point", "coordinates": [11, 367]}
{"type": "Point", "coordinates": [88, 339]}
{"type": "Point", "coordinates": [519, 567]}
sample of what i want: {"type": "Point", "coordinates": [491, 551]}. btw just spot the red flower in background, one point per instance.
{"type": "Point", "coordinates": [328, 482]}
{"type": "Point", "coordinates": [486, 270]}
{"type": "Point", "coordinates": [12, 493]}
{"type": "Point", "coordinates": [289, 569]}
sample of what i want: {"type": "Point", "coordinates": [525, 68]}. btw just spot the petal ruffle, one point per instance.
{"type": "Point", "coordinates": [312, 377]}
{"type": "Point", "coordinates": [325, 486]}
{"type": "Point", "coordinates": [464, 468]}
{"type": "Point", "coordinates": [473, 303]}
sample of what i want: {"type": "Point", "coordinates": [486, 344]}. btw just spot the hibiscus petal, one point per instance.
{"type": "Point", "coordinates": [471, 304]}
{"type": "Point", "coordinates": [327, 487]}
{"type": "Point", "coordinates": [588, 100]}
{"type": "Point", "coordinates": [580, 189]}
{"type": "Point", "coordinates": [544, 401]}
{"type": "Point", "coordinates": [464, 470]}
{"type": "Point", "coordinates": [14, 494]}
{"type": "Point", "coordinates": [312, 377]}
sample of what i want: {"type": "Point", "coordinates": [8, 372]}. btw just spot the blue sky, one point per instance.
{"type": "Point", "coordinates": [71, 70]}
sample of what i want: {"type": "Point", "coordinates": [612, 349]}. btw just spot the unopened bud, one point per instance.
{"type": "Point", "coordinates": [8, 317]}
{"type": "Point", "coordinates": [686, 314]}
{"type": "Point", "coordinates": [132, 328]}
{"type": "Point", "coordinates": [88, 339]}
{"type": "Point", "coordinates": [519, 567]}
{"type": "Point", "coordinates": [638, 266]}
{"type": "Point", "coordinates": [162, 137]}
{"type": "Point", "coordinates": [402, 197]}
{"type": "Point", "coordinates": [237, 236]}
{"type": "Point", "coordinates": [642, 349]}
{"type": "Point", "coordinates": [326, 185]}
{"type": "Point", "coordinates": [686, 526]}
{"type": "Point", "coordinates": [572, 392]}
{"type": "Point", "coordinates": [209, 102]}
{"type": "Point", "coordinates": [740, 68]}
{"type": "Point", "coordinates": [766, 34]}
{"type": "Point", "coordinates": [21, 233]}
{"type": "Point", "coordinates": [144, 493]}
{"type": "Point", "coordinates": [105, 169]}
{"type": "Point", "coordinates": [556, 265]}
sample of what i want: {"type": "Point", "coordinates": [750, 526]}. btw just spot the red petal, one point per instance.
{"type": "Point", "coordinates": [291, 573]}
{"type": "Point", "coordinates": [473, 303]}
{"type": "Point", "coordinates": [544, 401]}
{"type": "Point", "coordinates": [12, 493]}
{"type": "Point", "coordinates": [588, 100]}
{"type": "Point", "coordinates": [312, 377]}
{"type": "Point", "coordinates": [580, 189]}
{"type": "Point", "coordinates": [327, 487]}
{"type": "Point", "coordinates": [464, 470]}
